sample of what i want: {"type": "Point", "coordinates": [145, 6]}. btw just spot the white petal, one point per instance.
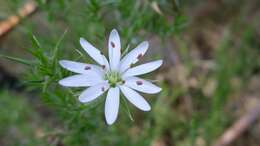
{"type": "Point", "coordinates": [143, 69]}
{"type": "Point", "coordinates": [133, 56]}
{"type": "Point", "coordinates": [114, 51]}
{"type": "Point", "coordinates": [93, 52]}
{"type": "Point", "coordinates": [93, 92]}
{"type": "Point", "coordinates": [106, 64]}
{"type": "Point", "coordinates": [141, 85]}
{"type": "Point", "coordinates": [135, 98]}
{"type": "Point", "coordinates": [81, 68]}
{"type": "Point", "coordinates": [81, 80]}
{"type": "Point", "coordinates": [112, 105]}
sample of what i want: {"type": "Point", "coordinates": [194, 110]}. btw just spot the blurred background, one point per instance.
{"type": "Point", "coordinates": [210, 76]}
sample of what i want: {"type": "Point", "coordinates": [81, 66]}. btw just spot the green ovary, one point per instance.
{"type": "Point", "coordinates": [113, 78]}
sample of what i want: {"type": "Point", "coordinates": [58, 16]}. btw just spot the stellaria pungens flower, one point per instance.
{"type": "Point", "coordinates": [112, 76]}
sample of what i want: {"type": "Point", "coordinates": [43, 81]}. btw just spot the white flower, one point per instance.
{"type": "Point", "coordinates": [112, 76]}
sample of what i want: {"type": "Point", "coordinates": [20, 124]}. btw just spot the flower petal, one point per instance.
{"type": "Point", "coordinates": [143, 69]}
{"type": "Point", "coordinates": [112, 105]}
{"type": "Point", "coordinates": [135, 98]}
{"type": "Point", "coordinates": [106, 65]}
{"type": "Point", "coordinates": [133, 56]}
{"type": "Point", "coordinates": [93, 52]}
{"type": "Point", "coordinates": [142, 85]}
{"type": "Point", "coordinates": [81, 80]}
{"type": "Point", "coordinates": [81, 68]}
{"type": "Point", "coordinates": [114, 51]}
{"type": "Point", "coordinates": [93, 92]}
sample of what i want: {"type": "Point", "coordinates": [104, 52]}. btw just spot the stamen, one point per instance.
{"type": "Point", "coordinates": [103, 89]}
{"type": "Point", "coordinates": [101, 53]}
{"type": "Point", "coordinates": [139, 82]}
{"type": "Point", "coordinates": [139, 56]}
{"type": "Point", "coordinates": [123, 81]}
{"type": "Point", "coordinates": [87, 68]}
{"type": "Point", "coordinates": [112, 44]}
{"type": "Point", "coordinates": [103, 66]}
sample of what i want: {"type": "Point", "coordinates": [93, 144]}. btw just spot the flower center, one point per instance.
{"type": "Point", "coordinates": [113, 78]}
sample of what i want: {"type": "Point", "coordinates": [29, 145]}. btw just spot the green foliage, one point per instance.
{"type": "Point", "coordinates": [83, 124]}
{"type": "Point", "coordinates": [19, 121]}
{"type": "Point", "coordinates": [172, 120]}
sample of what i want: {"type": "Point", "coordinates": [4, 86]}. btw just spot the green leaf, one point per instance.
{"type": "Point", "coordinates": [80, 55]}
{"type": "Point", "coordinates": [19, 60]}
{"type": "Point", "coordinates": [127, 109]}
{"type": "Point", "coordinates": [126, 50]}
{"type": "Point", "coordinates": [37, 50]}
{"type": "Point", "coordinates": [35, 42]}
{"type": "Point", "coordinates": [56, 49]}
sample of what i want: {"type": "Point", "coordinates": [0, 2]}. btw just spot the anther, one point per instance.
{"type": "Point", "coordinates": [103, 89]}
{"type": "Point", "coordinates": [123, 81]}
{"type": "Point", "coordinates": [112, 44]}
{"type": "Point", "coordinates": [103, 66]}
{"type": "Point", "coordinates": [87, 68]}
{"type": "Point", "coordinates": [139, 56]}
{"type": "Point", "coordinates": [139, 82]}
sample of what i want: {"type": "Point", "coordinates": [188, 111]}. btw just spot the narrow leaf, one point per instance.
{"type": "Point", "coordinates": [127, 109]}
{"type": "Point", "coordinates": [35, 42]}
{"type": "Point", "coordinates": [19, 60]}
{"type": "Point", "coordinates": [56, 49]}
